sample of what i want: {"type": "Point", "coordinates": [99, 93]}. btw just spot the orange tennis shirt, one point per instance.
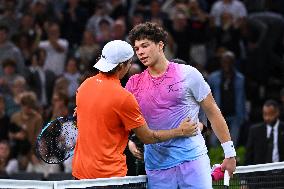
{"type": "Point", "coordinates": [106, 112]}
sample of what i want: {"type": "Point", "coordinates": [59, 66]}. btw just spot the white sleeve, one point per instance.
{"type": "Point", "coordinates": [198, 86]}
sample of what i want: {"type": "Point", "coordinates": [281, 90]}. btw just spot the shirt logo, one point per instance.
{"type": "Point", "coordinates": [138, 118]}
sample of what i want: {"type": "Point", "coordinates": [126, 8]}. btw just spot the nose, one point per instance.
{"type": "Point", "coordinates": [139, 52]}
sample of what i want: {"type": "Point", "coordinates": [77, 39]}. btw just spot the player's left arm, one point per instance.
{"type": "Point", "coordinates": [221, 130]}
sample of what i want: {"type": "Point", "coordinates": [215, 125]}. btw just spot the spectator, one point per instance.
{"type": "Point", "coordinates": [137, 18]}
{"type": "Point", "coordinates": [228, 34]}
{"type": "Point", "coordinates": [26, 45]}
{"type": "Point", "coordinates": [198, 34]}
{"type": "Point", "coordinates": [9, 50]}
{"type": "Point", "coordinates": [266, 140]}
{"type": "Point", "coordinates": [28, 120]}
{"type": "Point", "coordinates": [235, 7]}
{"type": "Point", "coordinates": [56, 49]}
{"type": "Point", "coordinates": [100, 13]}
{"type": "Point", "coordinates": [119, 30]}
{"type": "Point", "coordinates": [228, 88]}
{"type": "Point", "coordinates": [118, 9]}
{"type": "Point", "coordinates": [10, 17]}
{"type": "Point", "coordinates": [73, 22]}
{"type": "Point", "coordinates": [27, 25]}
{"type": "Point", "coordinates": [36, 165]}
{"type": "Point", "coordinates": [59, 106]}
{"type": "Point", "coordinates": [42, 12]}
{"type": "Point", "coordinates": [88, 51]}
{"type": "Point", "coordinates": [105, 28]}
{"type": "Point", "coordinates": [7, 165]}
{"type": "Point", "coordinates": [263, 39]}
{"type": "Point", "coordinates": [13, 101]}
{"type": "Point", "coordinates": [178, 29]}
{"type": "Point", "coordinates": [73, 76]}
{"type": "Point", "coordinates": [41, 81]}
{"type": "Point", "coordinates": [9, 75]}
{"type": "Point", "coordinates": [155, 14]}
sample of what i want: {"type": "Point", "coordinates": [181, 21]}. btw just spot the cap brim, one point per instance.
{"type": "Point", "coordinates": [104, 66]}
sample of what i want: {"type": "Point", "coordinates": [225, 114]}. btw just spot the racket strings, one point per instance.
{"type": "Point", "coordinates": [57, 141]}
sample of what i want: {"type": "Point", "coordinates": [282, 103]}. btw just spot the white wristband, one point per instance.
{"type": "Point", "coordinates": [229, 149]}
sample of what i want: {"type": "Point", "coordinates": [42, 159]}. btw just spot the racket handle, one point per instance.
{"type": "Point", "coordinates": [226, 179]}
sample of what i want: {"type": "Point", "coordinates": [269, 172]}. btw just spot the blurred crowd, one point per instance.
{"type": "Point", "coordinates": [48, 47]}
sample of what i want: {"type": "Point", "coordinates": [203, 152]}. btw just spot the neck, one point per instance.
{"type": "Point", "coordinates": [159, 68]}
{"type": "Point", "coordinates": [115, 75]}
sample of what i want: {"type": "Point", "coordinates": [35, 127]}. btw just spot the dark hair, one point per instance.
{"type": "Point", "coordinates": [150, 31]}
{"type": "Point", "coordinates": [37, 52]}
{"type": "Point", "coordinates": [28, 99]}
{"type": "Point", "coordinates": [271, 102]}
{"type": "Point", "coordinates": [9, 62]}
{"type": "Point", "coordinates": [62, 96]}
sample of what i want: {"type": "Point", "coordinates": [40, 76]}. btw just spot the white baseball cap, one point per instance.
{"type": "Point", "coordinates": [113, 53]}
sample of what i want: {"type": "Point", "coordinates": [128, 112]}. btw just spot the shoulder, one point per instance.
{"type": "Point", "coordinates": [184, 69]}
{"type": "Point", "coordinates": [86, 82]}
{"type": "Point", "coordinates": [135, 80]}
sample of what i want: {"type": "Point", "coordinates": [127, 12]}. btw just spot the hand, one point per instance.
{"type": "Point", "coordinates": [135, 151]}
{"type": "Point", "coordinates": [188, 128]}
{"type": "Point", "coordinates": [229, 164]}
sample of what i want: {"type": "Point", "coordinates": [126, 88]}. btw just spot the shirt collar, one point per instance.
{"type": "Point", "coordinates": [274, 126]}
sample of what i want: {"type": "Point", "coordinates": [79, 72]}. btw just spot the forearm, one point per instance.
{"type": "Point", "coordinates": [149, 136]}
{"type": "Point", "coordinates": [164, 135]}
{"type": "Point", "coordinates": [219, 125]}
{"type": "Point", "coordinates": [186, 128]}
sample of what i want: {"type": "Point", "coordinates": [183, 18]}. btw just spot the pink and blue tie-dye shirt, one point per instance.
{"type": "Point", "coordinates": [165, 101]}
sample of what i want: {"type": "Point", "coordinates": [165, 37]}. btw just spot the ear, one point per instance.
{"type": "Point", "coordinates": [120, 66]}
{"type": "Point", "coordinates": [161, 45]}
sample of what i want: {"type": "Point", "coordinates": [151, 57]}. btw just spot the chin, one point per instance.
{"type": "Point", "coordinates": [147, 64]}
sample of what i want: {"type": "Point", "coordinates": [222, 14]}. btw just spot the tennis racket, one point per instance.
{"type": "Point", "coordinates": [56, 141]}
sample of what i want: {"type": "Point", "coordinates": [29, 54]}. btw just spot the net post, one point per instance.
{"type": "Point", "coordinates": [55, 185]}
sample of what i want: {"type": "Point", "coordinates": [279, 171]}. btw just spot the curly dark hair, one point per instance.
{"type": "Point", "coordinates": [150, 31]}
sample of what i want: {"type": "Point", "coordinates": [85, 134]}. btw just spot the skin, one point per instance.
{"type": "Point", "coordinates": [270, 114]}
{"type": "Point", "coordinates": [151, 54]}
